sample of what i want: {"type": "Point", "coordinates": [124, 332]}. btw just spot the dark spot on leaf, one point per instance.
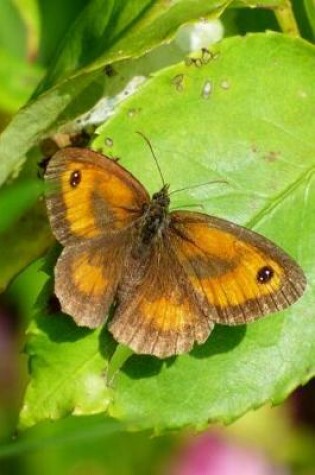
{"type": "Point", "coordinates": [109, 71]}
{"type": "Point", "coordinates": [271, 156]}
{"type": "Point", "coordinates": [178, 82]}
{"type": "Point", "coordinates": [134, 111]}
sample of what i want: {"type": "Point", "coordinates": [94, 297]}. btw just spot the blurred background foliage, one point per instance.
{"type": "Point", "coordinates": [277, 440]}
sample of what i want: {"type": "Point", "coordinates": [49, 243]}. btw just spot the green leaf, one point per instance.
{"type": "Point", "coordinates": [26, 239]}
{"type": "Point", "coordinates": [260, 3]}
{"type": "Point", "coordinates": [16, 89]}
{"type": "Point", "coordinates": [12, 30]}
{"type": "Point", "coordinates": [24, 231]}
{"type": "Point", "coordinates": [310, 10]}
{"type": "Point", "coordinates": [246, 116]}
{"type": "Point", "coordinates": [108, 31]}
{"type": "Point", "coordinates": [29, 10]}
{"type": "Point", "coordinates": [283, 12]}
{"type": "Point", "coordinates": [112, 30]}
{"type": "Point", "coordinates": [17, 199]}
{"type": "Point", "coordinates": [74, 381]}
{"type": "Point", "coordinates": [54, 25]}
{"type": "Point", "coordinates": [35, 120]}
{"type": "Point", "coordinates": [68, 432]}
{"type": "Point", "coordinates": [104, 32]}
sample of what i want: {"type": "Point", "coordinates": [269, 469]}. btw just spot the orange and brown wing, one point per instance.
{"type": "Point", "coordinates": [87, 277]}
{"type": "Point", "coordinates": [238, 274]}
{"type": "Point", "coordinates": [89, 195]}
{"type": "Point", "coordinates": [157, 311]}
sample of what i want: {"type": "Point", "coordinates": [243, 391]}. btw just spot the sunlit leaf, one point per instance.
{"type": "Point", "coordinates": [245, 116]}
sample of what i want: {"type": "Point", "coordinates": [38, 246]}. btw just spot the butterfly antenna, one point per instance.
{"type": "Point", "coordinates": [153, 155]}
{"type": "Point", "coordinates": [197, 186]}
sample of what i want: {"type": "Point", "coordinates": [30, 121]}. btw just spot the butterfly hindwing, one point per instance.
{"type": "Point", "coordinates": [157, 311]}
{"type": "Point", "coordinates": [87, 277]}
{"type": "Point", "coordinates": [229, 268]}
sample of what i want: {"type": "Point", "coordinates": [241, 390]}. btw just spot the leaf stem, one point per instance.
{"type": "Point", "coordinates": [286, 19]}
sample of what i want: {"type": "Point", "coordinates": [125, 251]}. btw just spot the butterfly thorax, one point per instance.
{"type": "Point", "coordinates": [154, 220]}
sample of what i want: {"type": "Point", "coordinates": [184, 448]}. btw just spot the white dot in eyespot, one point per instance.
{"type": "Point", "coordinates": [75, 178]}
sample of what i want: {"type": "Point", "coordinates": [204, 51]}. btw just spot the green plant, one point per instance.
{"type": "Point", "coordinates": [245, 115]}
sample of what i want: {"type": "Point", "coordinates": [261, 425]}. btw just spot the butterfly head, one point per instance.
{"type": "Point", "coordinates": [162, 197]}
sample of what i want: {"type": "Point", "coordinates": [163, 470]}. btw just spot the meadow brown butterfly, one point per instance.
{"type": "Point", "coordinates": [170, 275]}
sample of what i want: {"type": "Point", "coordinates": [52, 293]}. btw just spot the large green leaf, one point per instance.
{"type": "Point", "coordinates": [246, 116]}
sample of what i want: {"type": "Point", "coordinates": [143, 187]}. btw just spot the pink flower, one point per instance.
{"type": "Point", "coordinates": [212, 454]}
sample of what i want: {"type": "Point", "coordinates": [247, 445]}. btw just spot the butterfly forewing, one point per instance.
{"type": "Point", "coordinates": [90, 195]}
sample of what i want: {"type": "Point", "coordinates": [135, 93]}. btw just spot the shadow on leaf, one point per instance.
{"type": "Point", "coordinates": [144, 366]}
{"type": "Point", "coordinates": [222, 340]}
{"type": "Point", "coordinates": [60, 327]}
{"type": "Point", "coordinates": [107, 344]}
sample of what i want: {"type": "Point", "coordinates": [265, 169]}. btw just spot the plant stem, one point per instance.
{"type": "Point", "coordinates": [286, 19]}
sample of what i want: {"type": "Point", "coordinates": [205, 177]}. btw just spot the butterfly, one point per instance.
{"type": "Point", "coordinates": [169, 275]}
